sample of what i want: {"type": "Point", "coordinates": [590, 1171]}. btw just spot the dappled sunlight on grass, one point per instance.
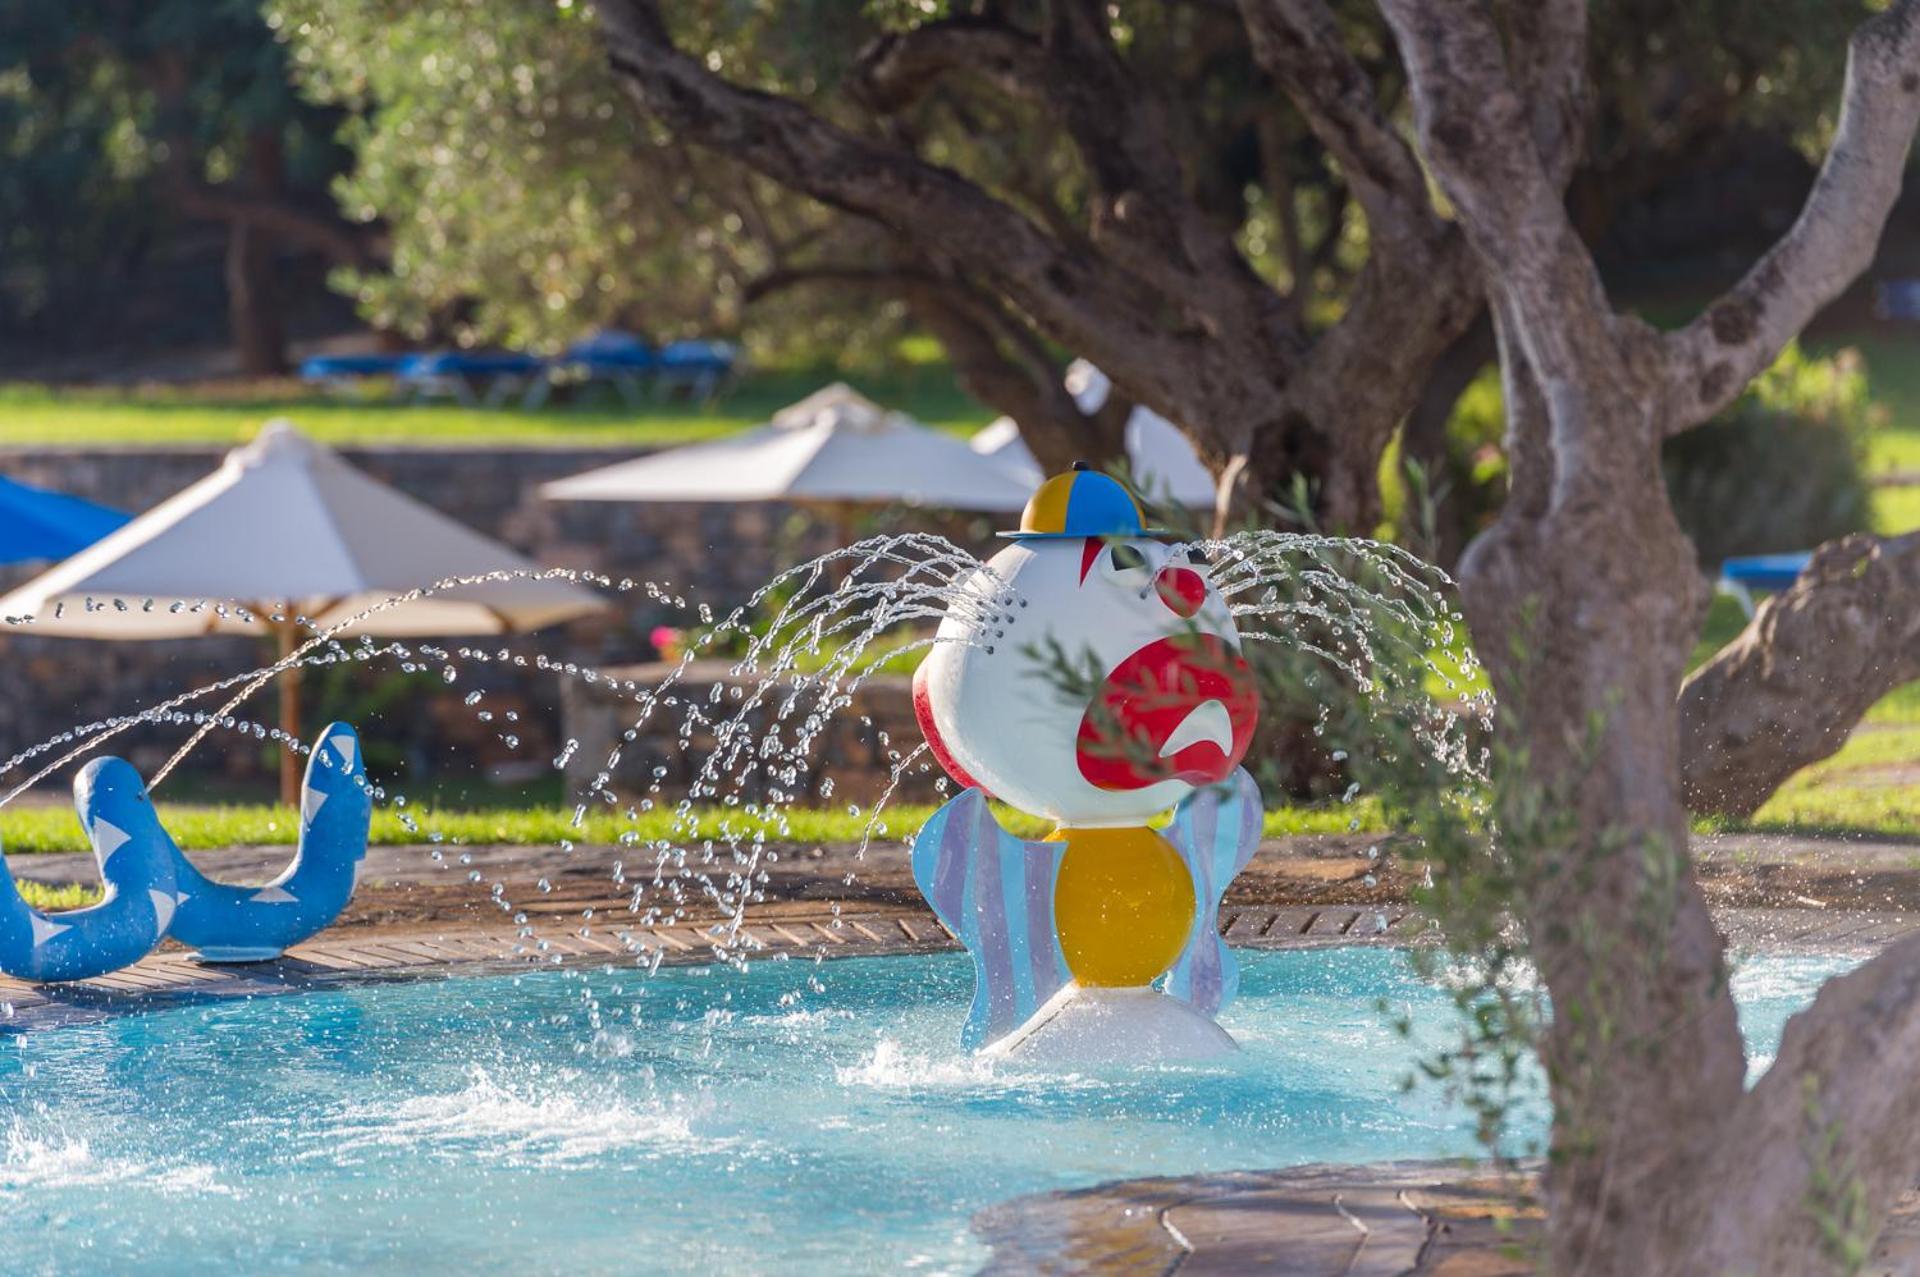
{"type": "Point", "coordinates": [1872, 786]}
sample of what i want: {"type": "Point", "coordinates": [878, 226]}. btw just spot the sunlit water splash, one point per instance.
{"type": "Point", "coordinates": [1378, 617]}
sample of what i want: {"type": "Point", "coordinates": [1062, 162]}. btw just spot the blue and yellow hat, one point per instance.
{"type": "Point", "coordinates": [1083, 503]}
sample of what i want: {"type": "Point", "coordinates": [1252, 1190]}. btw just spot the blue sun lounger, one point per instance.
{"type": "Point", "coordinates": [477, 379]}
{"type": "Point", "coordinates": [620, 359]}
{"type": "Point", "coordinates": [350, 373]}
{"type": "Point", "coordinates": [701, 368]}
{"type": "Point", "coordinates": [1742, 575]}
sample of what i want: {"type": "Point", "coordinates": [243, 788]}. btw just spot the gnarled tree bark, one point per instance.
{"type": "Point", "coordinates": [1788, 691]}
{"type": "Point", "coordinates": [1589, 571]}
{"type": "Point", "coordinates": [1155, 291]}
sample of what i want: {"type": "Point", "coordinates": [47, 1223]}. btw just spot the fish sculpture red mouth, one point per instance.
{"type": "Point", "coordinates": [1134, 733]}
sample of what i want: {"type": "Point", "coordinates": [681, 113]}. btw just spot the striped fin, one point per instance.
{"type": "Point", "coordinates": [1216, 831]}
{"type": "Point", "coordinates": [994, 892]}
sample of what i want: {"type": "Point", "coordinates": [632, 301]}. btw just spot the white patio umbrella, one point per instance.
{"type": "Point", "coordinates": [836, 449]}
{"type": "Point", "coordinates": [1164, 464]}
{"type": "Point", "coordinates": [288, 529]}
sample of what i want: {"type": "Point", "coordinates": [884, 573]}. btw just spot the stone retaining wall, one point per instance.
{"type": "Point", "coordinates": [858, 749]}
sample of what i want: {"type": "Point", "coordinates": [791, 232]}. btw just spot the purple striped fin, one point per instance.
{"type": "Point", "coordinates": [1216, 831]}
{"type": "Point", "coordinates": [994, 892]}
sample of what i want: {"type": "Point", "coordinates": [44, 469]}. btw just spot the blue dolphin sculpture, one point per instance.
{"type": "Point", "coordinates": [136, 865]}
{"type": "Point", "coordinates": [254, 924]}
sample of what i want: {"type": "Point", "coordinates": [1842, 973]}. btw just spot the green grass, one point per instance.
{"type": "Point", "coordinates": [29, 830]}
{"type": "Point", "coordinates": [1893, 373]}
{"type": "Point", "coordinates": [67, 896]}
{"type": "Point", "coordinates": [38, 415]}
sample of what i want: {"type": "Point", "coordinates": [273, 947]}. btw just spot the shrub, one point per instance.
{"type": "Point", "coordinates": [1782, 469]}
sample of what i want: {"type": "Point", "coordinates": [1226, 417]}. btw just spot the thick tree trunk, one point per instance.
{"type": "Point", "coordinates": [254, 314]}
{"type": "Point", "coordinates": [1335, 476]}
{"type": "Point", "coordinates": [1585, 608]}
{"type": "Point", "coordinates": [1788, 691]}
{"type": "Point", "coordinates": [255, 306]}
{"type": "Point", "coordinates": [1662, 1163]}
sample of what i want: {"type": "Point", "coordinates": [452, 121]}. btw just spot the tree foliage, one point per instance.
{"type": "Point", "coordinates": [119, 118]}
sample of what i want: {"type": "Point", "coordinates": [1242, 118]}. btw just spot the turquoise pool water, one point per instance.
{"type": "Point", "coordinates": [799, 1118]}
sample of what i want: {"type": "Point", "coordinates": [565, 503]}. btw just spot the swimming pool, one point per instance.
{"type": "Point", "coordinates": [799, 1117]}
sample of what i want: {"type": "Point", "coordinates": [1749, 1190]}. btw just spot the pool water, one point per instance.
{"type": "Point", "coordinates": [799, 1117]}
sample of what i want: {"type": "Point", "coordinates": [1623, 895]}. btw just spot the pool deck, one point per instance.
{"type": "Point", "coordinates": [392, 952]}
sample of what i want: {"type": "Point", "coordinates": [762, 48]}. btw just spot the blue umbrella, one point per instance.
{"type": "Point", "coordinates": [38, 524]}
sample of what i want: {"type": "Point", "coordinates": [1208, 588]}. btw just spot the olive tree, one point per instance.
{"type": "Point", "coordinates": [1584, 597]}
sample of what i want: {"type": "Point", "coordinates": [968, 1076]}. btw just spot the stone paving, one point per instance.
{"type": "Point", "coordinates": [1396, 1219]}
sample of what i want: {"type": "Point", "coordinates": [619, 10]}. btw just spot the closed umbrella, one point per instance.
{"type": "Point", "coordinates": [836, 448]}
{"type": "Point", "coordinates": [288, 528]}
{"type": "Point", "coordinates": [1162, 460]}
{"type": "Point", "coordinates": [38, 524]}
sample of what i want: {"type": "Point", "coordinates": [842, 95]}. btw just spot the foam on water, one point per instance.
{"type": "Point", "coordinates": [539, 1122]}
{"type": "Point", "coordinates": [39, 1157]}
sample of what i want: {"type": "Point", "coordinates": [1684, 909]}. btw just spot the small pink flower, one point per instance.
{"type": "Point", "coordinates": [667, 639]}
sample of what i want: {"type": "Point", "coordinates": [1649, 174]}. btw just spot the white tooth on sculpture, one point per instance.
{"type": "Point", "coordinates": [43, 930]}
{"type": "Point", "coordinates": [1207, 722]}
{"type": "Point", "coordinates": [108, 838]}
{"type": "Point", "coordinates": [347, 747]}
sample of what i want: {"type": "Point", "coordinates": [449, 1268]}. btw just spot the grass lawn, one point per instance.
{"type": "Point", "coordinates": [36, 415]}
{"type": "Point", "coordinates": [1893, 373]}
{"type": "Point", "coordinates": [27, 830]}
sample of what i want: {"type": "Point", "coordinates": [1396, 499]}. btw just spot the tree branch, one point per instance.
{"type": "Point", "coordinates": [1299, 44]}
{"type": "Point", "coordinates": [997, 365]}
{"type": "Point", "coordinates": [345, 243]}
{"type": "Point", "coordinates": [1710, 361]}
{"type": "Point", "coordinates": [895, 70]}
{"type": "Point", "coordinates": [1788, 691]}
{"type": "Point", "coordinates": [1549, 57]}
{"type": "Point", "coordinates": [1080, 298]}
{"type": "Point", "coordinates": [1481, 140]}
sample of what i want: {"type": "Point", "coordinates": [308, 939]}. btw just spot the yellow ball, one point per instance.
{"type": "Point", "coordinates": [1123, 905]}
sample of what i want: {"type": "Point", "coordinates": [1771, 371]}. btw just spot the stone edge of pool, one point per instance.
{"type": "Point", "coordinates": [402, 953]}
{"type": "Point", "coordinates": [397, 953]}
{"type": "Point", "coordinates": [1409, 1218]}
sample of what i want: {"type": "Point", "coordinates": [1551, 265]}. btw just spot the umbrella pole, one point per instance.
{"type": "Point", "coordinates": [288, 633]}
